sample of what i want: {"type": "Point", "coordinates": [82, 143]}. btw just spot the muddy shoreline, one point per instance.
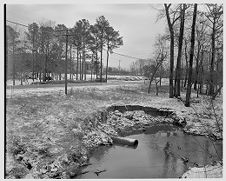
{"type": "Point", "coordinates": [155, 117]}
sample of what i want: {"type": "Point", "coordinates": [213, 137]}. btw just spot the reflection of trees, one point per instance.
{"type": "Point", "coordinates": [219, 149]}
{"type": "Point", "coordinates": [206, 152]}
{"type": "Point", "coordinates": [166, 161]}
{"type": "Point", "coordinates": [215, 150]}
{"type": "Point", "coordinates": [166, 148]}
{"type": "Point", "coordinates": [174, 164]}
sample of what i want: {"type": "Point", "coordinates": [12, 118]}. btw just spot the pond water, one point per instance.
{"type": "Point", "coordinates": [158, 155]}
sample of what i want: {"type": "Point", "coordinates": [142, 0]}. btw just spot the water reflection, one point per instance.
{"type": "Point", "coordinates": [157, 156]}
{"type": "Point", "coordinates": [166, 160]}
{"type": "Point", "coordinates": [205, 157]}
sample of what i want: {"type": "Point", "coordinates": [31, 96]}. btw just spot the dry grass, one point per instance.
{"type": "Point", "coordinates": [39, 128]}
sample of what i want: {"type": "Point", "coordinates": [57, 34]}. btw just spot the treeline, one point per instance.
{"type": "Point", "coordinates": [42, 50]}
{"type": "Point", "coordinates": [199, 29]}
{"type": "Point", "coordinates": [193, 44]}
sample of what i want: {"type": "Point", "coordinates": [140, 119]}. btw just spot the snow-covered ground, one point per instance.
{"type": "Point", "coordinates": [18, 82]}
{"type": "Point", "coordinates": [56, 118]}
{"type": "Point", "coordinates": [208, 171]}
{"type": "Point", "coordinates": [88, 77]}
{"type": "Point", "coordinates": [59, 88]}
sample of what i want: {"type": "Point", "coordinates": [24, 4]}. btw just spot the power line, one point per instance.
{"type": "Point", "coordinates": [57, 35]}
{"type": "Point", "coordinates": [66, 34]}
{"type": "Point", "coordinates": [128, 56]}
{"type": "Point", "coordinates": [120, 54]}
{"type": "Point", "coordinates": [20, 24]}
{"type": "Point", "coordinates": [13, 22]}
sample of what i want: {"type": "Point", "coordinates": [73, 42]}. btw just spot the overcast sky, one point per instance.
{"type": "Point", "coordinates": [135, 22]}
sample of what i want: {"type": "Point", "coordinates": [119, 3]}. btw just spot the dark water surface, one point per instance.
{"type": "Point", "coordinates": [157, 155]}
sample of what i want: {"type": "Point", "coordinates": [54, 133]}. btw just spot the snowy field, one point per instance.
{"type": "Point", "coordinates": [50, 127]}
{"type": "Point", "coordinates": [88, 77]}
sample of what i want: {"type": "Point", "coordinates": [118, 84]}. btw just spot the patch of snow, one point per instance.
{"type": "Point", "coordinates": [204, 172]}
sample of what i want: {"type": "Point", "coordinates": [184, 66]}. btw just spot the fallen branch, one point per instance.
{"type": "Point", "coordinates": [99, 171]}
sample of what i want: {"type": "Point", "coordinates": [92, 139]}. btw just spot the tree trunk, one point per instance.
{"type": "Point", "coordinates": [171, 51]}
{"type": "Point", "coordinates": [97, 65]}
{"type": "Point", "coordinates": [156, 87]}
{"type": "Point", "coordinates": [80, 57]}
{"type": "Point", "coordinates": [211, 89]}
{"type": "Point", "coordinates": [186, 59]}
{"type": "Point", "coordinates": [107, 65]}
{"type": "Point", "coordinates": [40, 75]}
{"type": "Point", "coordinates": [21, 78]}
{"type": "Point", "coordinates": [201, 73]}
{"type": "Point", "coordinates": [178, 68]}
{"type": "Point", "coordinates": [85, 69]}
{"type": "Point", "coordinates": [83, 65]}
{"type": "Point", "coordinates": [197, 91]}
{"type": "Point", "coordinates": [149, 87]}
{"type": "Point", "coordinates": [171, 66]}
{"type": "Point", "coordinates": [197, 67]}
{"type": "Point", "coordinates": [92, 68]}
{"type": "Point", "coordinates": [101, 57]}
{"type": "Point", "coordinates": [45, 63]}
{"type": "Point", "coordinates": [218, 91]}
{"type": "Point", "coordinates": [101, 63]}
{"type": "Point", "coordinates": [160, 80]}
{"type": "Point", "coordinates": [77, 64]}
{"type": "Point", "coordinates": [70, 62]}
{"type": "Point", "coordinates": [188, 93]}
{"type": "Point", "coordinates": [152, 78]}
{"type": "Point", "coordinates": [33, 61]}
{"type": "Point", "coordinates": [14, 63]}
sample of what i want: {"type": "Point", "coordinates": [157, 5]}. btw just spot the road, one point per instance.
{"type": "Point", "coordinates": [44, 89]}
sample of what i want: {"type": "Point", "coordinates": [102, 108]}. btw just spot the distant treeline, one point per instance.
{"type": "Point", "coordinates": [43, 51]}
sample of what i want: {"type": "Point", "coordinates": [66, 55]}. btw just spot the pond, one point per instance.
{"type": "Point", "coordinates": [165, 153]}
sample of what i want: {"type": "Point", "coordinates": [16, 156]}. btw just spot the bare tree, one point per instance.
{"type": "Point", "coordinates": [201, 40]}
{"type": "Point", "coordinates": [188, 93]}
{"type": "Point", "coordinates": [186, 60]}
{"type": "Point", "coordinates": [161, 55]}
{"type": "Point", "coordinates": [171, 22]}
{"type": "Point", "coordinates": [214, 15]}
{"type": "Point", "coordinates": [180, 44]}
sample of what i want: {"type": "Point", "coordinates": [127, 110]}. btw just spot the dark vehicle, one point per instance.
{"type": "Point", "coordinates": [48, 78]}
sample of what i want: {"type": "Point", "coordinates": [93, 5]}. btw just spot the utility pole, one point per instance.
{"type": "Point", "coordinates": [14, 63]}
{"type": "Point", "coordinates": [70, 62]}
{"type": "Point", "coordinates": [119, 65]}
{"type": "Point", "coordinates": [65, 77]}
{"type": "Point", "coordinates": [33, 39]}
